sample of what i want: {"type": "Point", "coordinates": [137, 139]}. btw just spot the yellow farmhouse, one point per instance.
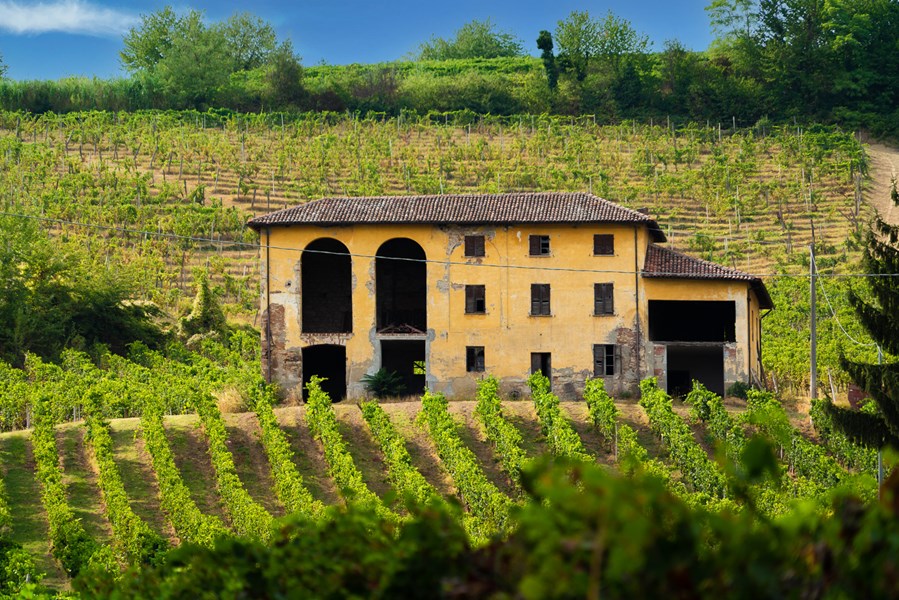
{"type": "Point", "coordinates": [443, 289]}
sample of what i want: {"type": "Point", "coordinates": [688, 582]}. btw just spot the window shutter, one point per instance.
{"type": "Point", "coordinates": [534, 243]}
{"type": "Point", "coordinates": [603, 244]}
{"type": "Point", "coordinates": [535, 362]}
{"type": "Point", "coordinates": [540, 299]}
{"type": "Point", "coordinates": [474, 245]}
{"type": "Point", "coordinates": [603, 299]}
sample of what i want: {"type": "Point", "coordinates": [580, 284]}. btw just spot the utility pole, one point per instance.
{"type": "Point", "coordinates": [813, 391]}
{"type": "Point", "coordinates": [879, 450]}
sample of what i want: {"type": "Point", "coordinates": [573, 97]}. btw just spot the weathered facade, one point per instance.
{"type": "Point", "coordinates": [443, 289]}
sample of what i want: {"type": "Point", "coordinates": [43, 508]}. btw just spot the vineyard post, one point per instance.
{"type": "Point", "coordinates": [616, 441]}
{"type": "Point", "coordinates": [813, 375]}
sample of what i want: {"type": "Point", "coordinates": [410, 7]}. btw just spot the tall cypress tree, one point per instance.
{"type": "Point", "coordinates": [881, 318]}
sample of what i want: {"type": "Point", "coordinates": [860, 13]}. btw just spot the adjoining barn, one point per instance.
{"type": "Point", "coordinates": [442, 289]}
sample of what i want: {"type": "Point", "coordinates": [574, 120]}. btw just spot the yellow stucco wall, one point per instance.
{"type": "Point", "coordinates": [507, 331]}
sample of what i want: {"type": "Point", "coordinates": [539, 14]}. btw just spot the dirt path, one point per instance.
{"type": "Point", "coordinates": [883, 169]}
{"type": "Point", "coordinates": [253, 468]}
{"type": "Point", "coordinates": [420, 445]}
{"type": "Point", "coordinates": [136, 470]}
{"type": "Point", "coordinates": [192, 459]}
{"type": "Point", "coordinates": [80, 479]}
{"type": "Point", "coordinates": [307, 454]}
{"type": "Point", "coordinates": [472, 435]}
{"type": "Point", "coordinates": [29, 526]}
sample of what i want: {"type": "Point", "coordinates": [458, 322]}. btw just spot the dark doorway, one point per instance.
{"type": "Point", "coordinates": [407, 358]}
{"type": "Point", "coordinates": [703, 363]}
{"type": "Point", "coordinates": [692, 321]}
{"type": "Point", "coordinates": [401, 287]}
{"type": "Point", "coordinates": [328, 361]}
{"type": "Point", "coordinates": [542, 362]}
{"type": "Point", "coordinates": [327, 287]}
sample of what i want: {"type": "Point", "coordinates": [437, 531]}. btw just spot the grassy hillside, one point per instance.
{"type": "Point", "coordinates": [156, 195]}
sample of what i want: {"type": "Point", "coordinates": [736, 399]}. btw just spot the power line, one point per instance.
{"type": "Point", "coordinates": [834, 314]}
{"type": "Point", "coordinates": [258, 246]}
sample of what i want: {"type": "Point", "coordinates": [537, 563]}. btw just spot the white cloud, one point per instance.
{"type": "Point", "coordinates": [68, 16]}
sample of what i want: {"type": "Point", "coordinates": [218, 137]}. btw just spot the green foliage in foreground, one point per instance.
{"type": "Point", "coordinates": [585, 532]}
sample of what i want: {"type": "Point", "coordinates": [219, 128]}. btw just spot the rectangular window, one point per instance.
{"type": "Point", "coordinates": [603, 244]}
{"type": "Point", "coordinates": [474, 245]}
{"type": "Point", "coordinates": [604, 359]}
{"type": "Point", "coordinates": [475, 303]}
{"type": "Point", "coordinates": [538, 245]}
{"type": "Point", "coordinates": [474, 359]}
{"type": "Point", "coordinates": [603, 299]}
{"type": "Point", "coordinates": [540, 299]}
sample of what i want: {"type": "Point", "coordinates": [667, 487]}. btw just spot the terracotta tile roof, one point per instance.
{"type": "Point", "coordinates": [517, 207]}
{"type": "Point", "coordinates": [668, 264]}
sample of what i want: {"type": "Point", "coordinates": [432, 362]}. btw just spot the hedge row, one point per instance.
{"type": "Point", "coordinates": [322, 422]}
{"type": "Point", "coordinates": [805, 458]}
{"type": "Point", "coordinates": [17, 567]}
{"type": "Point", "coordinates": [708, 407]}
{"type": "Point", "coordinates": [289, 486]}
{"type": "Point", "coordinates": [561, 437]}
{"type": "Point", "coordinates": [688, 456]}
{"type": "Point", "coordinates": [134, 538]}
{"type": "Point", "coordinates": [504, 436]}
{"type": "Point", "coordinates": [406, 479]}
{"type": "Point", "coordinates": [854, 456]}
{"type": "Point", "coordinates": [72, 546]}
{"type": "Point", "coordinates": [248, 517]}
{"type": "Point", "coordinates": [189, 522]}
{"type": "Point", "coordinates": [484, 500]}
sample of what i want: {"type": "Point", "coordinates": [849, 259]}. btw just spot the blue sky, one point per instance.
{"type": "Point", "coordinates": [49, 39]}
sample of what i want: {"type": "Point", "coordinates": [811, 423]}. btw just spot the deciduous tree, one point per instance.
{"type": "Point", "coordinates": [476, 39]}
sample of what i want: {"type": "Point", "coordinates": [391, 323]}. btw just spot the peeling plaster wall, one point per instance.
{"type": "Point", "coordinates": [507, 331]}
{"type": "Point", "coordinates": [740, 361]}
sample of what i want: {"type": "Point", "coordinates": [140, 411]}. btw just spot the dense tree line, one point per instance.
{"type": "Point", "coordinates": [786, 59]}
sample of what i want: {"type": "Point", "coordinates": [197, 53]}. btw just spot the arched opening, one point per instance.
{"type": "Point", "coordinates": [401, 287]}
{"type": "Point", "coordinates": [328, 361]}
{"type": "Point", "coordinates": [327, 287]}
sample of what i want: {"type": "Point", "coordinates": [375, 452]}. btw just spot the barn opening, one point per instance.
{"type": "Point", "coordinates": [327, 287]}
{"type": "Point", "coordinates": [401, 287]}
{"type": "Point", "coordinates": [407, 359]}
{"type": "Point", "coordinates": [692, 321]}
{"type": "Point", "coordinates": [328, 361]}
{"type": "Point", "coordinates": [694, 333]}
{"type": "Point", "coordinates": [704, 363]}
